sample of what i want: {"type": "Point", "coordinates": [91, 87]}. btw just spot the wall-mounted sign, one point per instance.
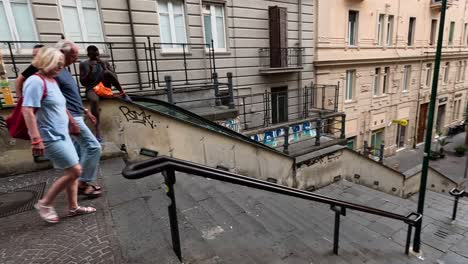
{"type": "Point", "coordinates": [401, 122]}
{"type": "Point", "coordinates": [458, 95]}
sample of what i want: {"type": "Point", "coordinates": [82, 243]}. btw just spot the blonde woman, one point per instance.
{"type": "Point", "coordinates": [47, 122]}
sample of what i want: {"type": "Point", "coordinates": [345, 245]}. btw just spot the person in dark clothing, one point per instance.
{"type": "Point", "coordinates": [31, 70]}
{"type": "Point", "coordinates": [92, 72]}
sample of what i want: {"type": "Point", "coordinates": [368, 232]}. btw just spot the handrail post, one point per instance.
{"type": "Point", "coordinates": [366, 149]}
{"type": "Point", "coordinates": [318, 130]}
{"type": "Point", "coordinates": [168, 80]}
{"type": "Point", "coordinates": [408, 238]}
{"type": "Point", "coordinates": [172, 209]}
{"type": "Point", "coordinates": [343, 126]}
{"type": "Point", "coordinates": [13, 59]}
{"type": "Point", "coordinates": [381, 153]}
{"type": "Point", "coordinates": [337, 90]}
{"type": "Point", "coordinates": [112, 55]}
{"type": "Point", "coordinates": [216, 88]}
{"type": "Point", "coordinates": [151, 62]}
{"type": "Point", "coordinates": [286, 140]}
{"type": "Point", "coordinates": [244, 113]}
{"type": "Point", "coordinates": [306, 102]}
{"type": "Point", "coordinates": [455, 208]}
{"type": "Point", "coordinates": [267, 108]}
{"type": "Point", "coordinates": [231, 90]}
{"type": "Point", "coordinates": [339, 211]}
{"type": "Point", "coordinates": [323, 97]}
{"type": "Point", "coordinates": [185, 64]}
{"type": "Point", "coordinates": [214, 57]}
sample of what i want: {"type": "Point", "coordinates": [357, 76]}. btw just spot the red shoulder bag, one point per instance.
{"type": "Point", "coordinates": [15, 122]}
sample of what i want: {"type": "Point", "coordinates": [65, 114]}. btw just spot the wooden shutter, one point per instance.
{"type": "Point", "coordinates": [278, 22]}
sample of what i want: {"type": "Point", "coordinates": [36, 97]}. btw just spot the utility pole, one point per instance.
{"type": "Point", "coordinates": [430, 124]}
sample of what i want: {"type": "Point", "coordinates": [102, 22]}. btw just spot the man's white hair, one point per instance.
{"type": "Point", "coordinates": [65, 46]}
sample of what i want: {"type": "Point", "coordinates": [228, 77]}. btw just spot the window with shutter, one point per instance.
{"type": "Point", "coordinates": [451, 33]}
{"type": "Point", "coordinates": [411, 30]}
{"type": "Point", "coordinates": [428, 74]}
{"type": "Point", "coordinates": [17, 22]}
{"type": "Point", "coordinates": [386, 80]}
{"type": "Point", "coordinates": [278, 36]}
{"type": "Point", "coordinates": [352, 27]}
{"type": "Point", "coordinates": [406, 78]}
{"type": "Point", "coordinates": [433, 32]}
{"type": "Point", "coordinates": [81, 20]}
{"type": "Point", "coordinates": [377, 81]}
{"type": "Point", "coordinates": [390, 30]}
{"type": "Point", "coordinates": [446, 73]}
{"type": "Point", "coordinates": [380, 27]}
{"type": "Point", "coordinates": [350, 84]}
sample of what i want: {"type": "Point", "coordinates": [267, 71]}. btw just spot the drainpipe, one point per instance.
{"type": "Point", "coordinates": [132, 32]}
{"type": "Point", "coordinates": [416, 120]}
{"type": "Point", "coordinates": [299, 74]}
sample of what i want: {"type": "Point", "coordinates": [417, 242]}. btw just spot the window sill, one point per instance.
{"type": "Point", "coordinates": [380, 96]}
{"type": "Point", "coordinates": [219, 52]}
{"type": "Point", "coordinates": [350, 101]}
{"type": "Point", "coordinates": [175, 53]}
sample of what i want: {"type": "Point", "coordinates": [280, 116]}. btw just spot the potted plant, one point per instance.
{"type": "Point", "coordinates": [442, 143]}
{"type": "Point", "coordinates": [460, 150]}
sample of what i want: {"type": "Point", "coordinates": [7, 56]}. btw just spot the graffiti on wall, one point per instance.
{"type": "Point", "coordinates": [136, 117]}
{"type": "Point", "coordinates": [233, 124]}
{"type": "Point", "coordinates": [275, 138]}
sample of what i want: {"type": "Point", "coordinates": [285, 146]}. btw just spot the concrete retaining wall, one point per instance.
{"type": "Point", "coordinates": [137, 128]}
{"type": "Point", "coordinates": [349, 165]}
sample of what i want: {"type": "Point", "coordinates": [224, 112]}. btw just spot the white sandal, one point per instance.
{"type": "Point", "coordinates": [47, 213]}
{"type": "Point", "coordinates": [81, 210]}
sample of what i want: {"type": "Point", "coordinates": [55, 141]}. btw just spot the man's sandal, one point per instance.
{"type": "Point", "coordinates": [47, 213]}
{"type": "Point", "coordinates": [81, 210]}
{"type": "Point", "coordinates": [94, 193]}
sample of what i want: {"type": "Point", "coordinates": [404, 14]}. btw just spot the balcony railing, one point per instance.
{"type": "Point", "coordinates": [280, 60]}
{"type": "Point", "coordinates": [437, 4]}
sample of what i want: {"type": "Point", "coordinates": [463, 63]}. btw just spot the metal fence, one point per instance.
{"type": "Point", "coordinates": [298, 137]}
{"type": "Point", "coordinates": [281, 57]}
{"type": "Point", "coordinates": [267, 108]}
{"type": "Point", "coordinates": [139, 65]}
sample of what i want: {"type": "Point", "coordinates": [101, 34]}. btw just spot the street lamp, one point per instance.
{"type": "Point", "coordinates": [430, 124]}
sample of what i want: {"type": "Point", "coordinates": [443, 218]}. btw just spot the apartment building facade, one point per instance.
{"type": "Point", "coordinates": [267, 45]}
{"type": "Point", "coordinates": [382, 53]}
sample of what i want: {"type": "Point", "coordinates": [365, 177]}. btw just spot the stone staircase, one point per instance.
{"type": "Point", "coordinates": [224, 223]}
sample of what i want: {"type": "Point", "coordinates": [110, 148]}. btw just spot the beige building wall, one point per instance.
{"type": "Point", "coordinates": [368, 112]}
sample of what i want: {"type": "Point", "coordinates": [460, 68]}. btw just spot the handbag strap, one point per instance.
{"type": "Point", "coordinates": [44, 93]}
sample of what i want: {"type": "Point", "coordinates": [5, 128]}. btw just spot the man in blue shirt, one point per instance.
{"type": "Point", "coordinates": [88, 148]}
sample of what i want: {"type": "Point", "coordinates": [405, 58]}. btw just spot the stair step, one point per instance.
{"type": "Point", "coordinates": [271, 221]}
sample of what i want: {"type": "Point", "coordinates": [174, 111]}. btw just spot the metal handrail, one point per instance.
{"type": "Point", "coordinates": [167, 166]}
{"type": "Point", "coordinates": [457, 194]}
